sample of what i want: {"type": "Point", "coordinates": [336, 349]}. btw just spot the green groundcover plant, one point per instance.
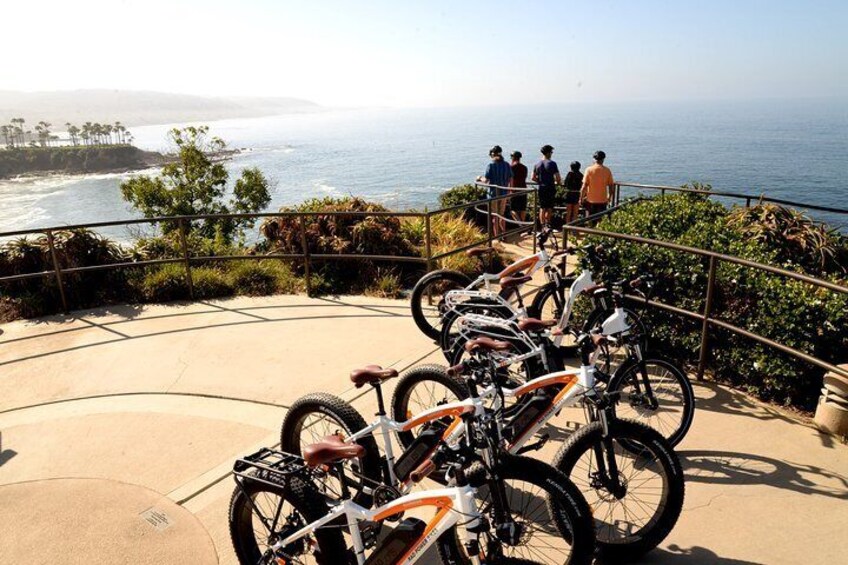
{"type": "Point", "coordinates": [805, 317]}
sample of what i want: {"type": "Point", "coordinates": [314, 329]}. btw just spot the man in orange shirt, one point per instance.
{"type": "Point", "coordinates": [598, 185]}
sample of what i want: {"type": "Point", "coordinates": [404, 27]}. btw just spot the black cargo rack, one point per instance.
{"type": "Point", "coordinates": [269, 466]}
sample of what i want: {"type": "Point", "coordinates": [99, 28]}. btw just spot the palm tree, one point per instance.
{"type": "Point", "coordinates": [107, 131]}
{"type": "Point", "coordinates": [73, 131]}
{"type": "Point", "coordinates": [5, 131]}
{"type": "Point", "coordinates": [43, 129]}
{"type": "Point", "coordinates": [19, 129]}
{"type": "Point", "coordinates": [87, 132]}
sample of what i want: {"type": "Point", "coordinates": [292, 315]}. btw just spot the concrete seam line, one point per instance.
{"type": "Point", "coordinates": [212, 484]}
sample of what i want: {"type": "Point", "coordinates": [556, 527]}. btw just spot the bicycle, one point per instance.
{"type": "Point", "coordinates": [588, 456]}
{"type": "Point", "coordinates": [498, 516]}
{"type": "Point", "coordinates": [542, 399]}
{"type": "Point", "coordinates": [431, 288]}
{"type": "Point", "coordinates": [655, 390]}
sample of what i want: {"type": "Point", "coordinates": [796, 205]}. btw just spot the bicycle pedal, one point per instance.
{"type": "Point", "coordinates": [539, 444]}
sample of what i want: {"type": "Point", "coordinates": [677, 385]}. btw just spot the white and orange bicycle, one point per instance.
{"type": "Point", "coordinates": [501, 509]}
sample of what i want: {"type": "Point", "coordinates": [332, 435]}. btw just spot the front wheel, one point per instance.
{"type": "Point", "coordinates": [428, 302]}
{"type": "Point", "coordinates": [666, 402]}
{"type": "Point", "coordinates": [637, 507]}
{"type": "Point", "coordinates": [545, 518]}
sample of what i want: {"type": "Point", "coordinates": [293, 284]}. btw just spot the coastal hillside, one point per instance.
{"type": "Point", "coordinates": [114, 158]}
{"type": "Point", "coordinates": [135, 108]}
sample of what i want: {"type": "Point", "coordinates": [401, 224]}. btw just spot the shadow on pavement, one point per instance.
{"type": "Point", "coordinates": [131, 314]}
{"type": "Point", "coordinates": [689, 556]}
{"type": "Point", "coordinates": [728, 468]}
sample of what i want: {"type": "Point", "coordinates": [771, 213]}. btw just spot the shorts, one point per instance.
{"type": "Point", "coordinates": [572, 196]}
{"type": "Point", "coordinates": [547, 196]}
{"type": "Point", "coordinates": [518, 203]}
{"type": "Point", "coordinates": [595, 208]}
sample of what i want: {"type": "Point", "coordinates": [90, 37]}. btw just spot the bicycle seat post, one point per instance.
{"type": "Point", "coordinates": [381, 407]}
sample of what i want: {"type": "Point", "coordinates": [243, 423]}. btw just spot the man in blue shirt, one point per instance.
{"type": "Point", "coordinates": [497, 176]}
{"type": "Point", "coordinates": [546, 173]}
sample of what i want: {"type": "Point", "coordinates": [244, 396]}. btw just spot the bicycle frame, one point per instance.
{"type": "Point", "coordinates": [452, 504]}
{"type": "Point", "coordinates": [385, 425]}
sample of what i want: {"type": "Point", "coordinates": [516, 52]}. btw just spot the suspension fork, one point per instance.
{"type": "Point", "coordinates": [605, 453]}
{"type": "Point", "coordinates": [648, 392]}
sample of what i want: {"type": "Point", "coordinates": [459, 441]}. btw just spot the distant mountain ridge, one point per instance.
{"type": "Point", "coordinates": [134, 107]}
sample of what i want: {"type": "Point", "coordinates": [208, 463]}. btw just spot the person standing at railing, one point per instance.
{"type": "Point", "coordinates": [573, 185]}
{"type": "Point", "coordinates": [598, 185]}
{"type": "Point", "coordinates": [498, 175]}
{"type": "Point", "coordinates": [546, 173]}
{"type": "Point", "coordinates": [518, 203]}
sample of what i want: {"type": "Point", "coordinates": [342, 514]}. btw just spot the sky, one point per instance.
{"type": "Point", "coordinates": [434, 53]}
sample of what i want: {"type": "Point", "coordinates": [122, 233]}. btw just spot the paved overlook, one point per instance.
{"type": "Point", "coordinates": [120, 425]}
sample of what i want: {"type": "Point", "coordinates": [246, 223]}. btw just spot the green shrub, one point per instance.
{"type": "Point", "coordinates": [74, 248]}
{"type": "Point", "coordinates": [339, 234]}
{"type": "Point", "coordinates": [165, 283]}
{"type": "Point", "coordinates": [796, 314]}
{"type": "Point", "coordinates": [210, 282]}
{"type": "Point", "coordinates": [258, 278]}
{"type": "Point", "coordinates": [386, 285]}
{"type": "Point", "coordinates": [462, 194]}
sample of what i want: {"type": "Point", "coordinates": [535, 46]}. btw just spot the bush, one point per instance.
{"type": "Point", "coordinates": [386, 285]}
{"type": "Point", "coordinates": [796, 314]}
{"type": "Point", "coordinates": [462, 194]}
{"type": "Point", "coordinates": [165, 284]}
{"type": "Point", "coordinates": [258, 278]}
{"type": "Point", "coordinates": [74, 248]}
{"type": "Point", "coordinates": [340, 235]}
{"type": "Point", "coordinates": [210, 282]}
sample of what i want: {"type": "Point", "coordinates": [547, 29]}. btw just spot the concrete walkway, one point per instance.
{"type": "Point", "coordinates": [118, 428]}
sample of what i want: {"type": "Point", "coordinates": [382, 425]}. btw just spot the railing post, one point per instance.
{"type": "Point", "coordinates": [186, 260]}
{"type": "Point", "coordinates": [489, 220]}
{"type": "Point", "coordinates": [428, 251]}
{"type": "Point", "coordinates": [536, 224]}
{"type": "Point", "coordinates": [57, 271]}
{"type": "Point", "coordinates": [307, 267]}
{"type": "Point", "coordinates": [705, 328]}
{"type": "Point", "coordinates": [662, 194]}
{"type": "Point", "coordinates": [748, 202]}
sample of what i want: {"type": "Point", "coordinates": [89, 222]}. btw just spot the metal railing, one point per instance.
{"type": "Point", "coordinates": [748, 198]}
{"type": "Point", "coordinates": [706, 317]}
{"type": "Point", "coordinates": [428, 260]}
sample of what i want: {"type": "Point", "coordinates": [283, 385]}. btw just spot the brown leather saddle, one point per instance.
{"type": "Point", "coordinates": [371, 375]}
{"type": "Point", "coordinates": [487, 344]}
{"type": "Point", "coordinates": [331, 449]}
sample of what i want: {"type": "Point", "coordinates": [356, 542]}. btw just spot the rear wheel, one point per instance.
{"type": "Point", "coordinates": [261, 515]}
{"type": "Point", "coordinates": [427, 301]}
{"type": "Point", "coordinates": [547, 520]}
{"type": "Point", "coordinates": [317, 415]}
{"type": "Point", "coordinates": [633, 517]}
{"type": "Point", "coordinates": [549, 303]}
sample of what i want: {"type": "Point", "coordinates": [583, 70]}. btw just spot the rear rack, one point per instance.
{"type": "Point", "coordinates": [269, 466]}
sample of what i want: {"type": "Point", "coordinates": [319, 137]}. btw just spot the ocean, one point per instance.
{"type": "Point", "coordinates": [794, 149]}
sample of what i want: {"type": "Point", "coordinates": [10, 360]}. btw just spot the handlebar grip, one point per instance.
{"type": "Point", "coordinates": [423, 471]}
